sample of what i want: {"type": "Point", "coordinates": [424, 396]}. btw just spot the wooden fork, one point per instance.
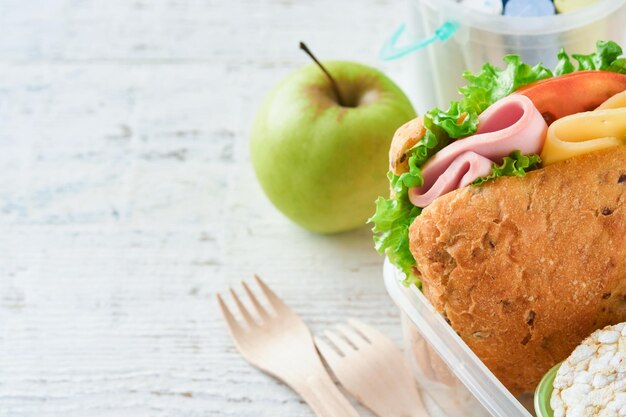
{"type": "Point", "coordinates": [281, 345]}
{"type": "Point", "coordinates": [372, 369]}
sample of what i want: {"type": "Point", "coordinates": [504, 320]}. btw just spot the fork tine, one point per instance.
{"type": "Point", "coordinates": [369, 332]}
{"type": "Point", "coordinates": [257, 305]}
{"type": "Point", "coordinates": [329, 354]}
{"type": "Point", "coordinates": [231, 322]}
{"type": "Point", "coordinates": [341, 345]}
{"type": "Point", "coordinates": [352, 336]}
{"type": "Point", "coordinates": [242, 309]}
{"type": "Point", "coordinates": [273, 299]}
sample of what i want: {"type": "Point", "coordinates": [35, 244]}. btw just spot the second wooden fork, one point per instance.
{"type": "Point", "coordinates": [371, 368]}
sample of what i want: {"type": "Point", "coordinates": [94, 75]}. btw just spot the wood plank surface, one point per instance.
{"type": "Point", "coordinates": [127, 200]}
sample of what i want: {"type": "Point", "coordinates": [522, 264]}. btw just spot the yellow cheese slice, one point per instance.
{"type": "Point", "coordinates": [581, 133]}
{"type": "Point", "coordinates": [618, 100]}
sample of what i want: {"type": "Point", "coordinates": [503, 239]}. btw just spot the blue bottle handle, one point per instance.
{"type": "Point", "coordinates": [390, 51]}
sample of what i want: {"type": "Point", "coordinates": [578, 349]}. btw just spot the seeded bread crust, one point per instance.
{"type": "Point", "coordinates": [405, 138]}
{"type": "Point", "coordinates": [524, 268]}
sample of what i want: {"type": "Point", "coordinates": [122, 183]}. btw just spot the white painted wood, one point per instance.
{"type": "Point", "coordinates": [127, 200]}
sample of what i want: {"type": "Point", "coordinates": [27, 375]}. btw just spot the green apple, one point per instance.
{"type": "Point", "coordinates": [320, 162]}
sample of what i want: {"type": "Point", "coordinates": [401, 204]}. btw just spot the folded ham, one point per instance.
{"type": "Point", "coordinates": [512, 123]}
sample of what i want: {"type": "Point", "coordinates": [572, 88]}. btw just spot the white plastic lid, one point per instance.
{"type": "Point", "coordinates": [516, 25]}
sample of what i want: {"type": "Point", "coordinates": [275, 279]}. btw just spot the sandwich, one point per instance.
{"type": "Point", "coordinates": [508, 209]}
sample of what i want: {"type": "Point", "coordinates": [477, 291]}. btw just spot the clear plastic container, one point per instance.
{"type": "Point", "coordinates": [481, 38]}
{"type": "Point", "coordinates": [445, 368]}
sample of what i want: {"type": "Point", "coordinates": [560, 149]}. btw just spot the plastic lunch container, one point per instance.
{"type": "Point", "coordinates": [444, 366]}
{"type": "Point", "coordinates": [444, 38]}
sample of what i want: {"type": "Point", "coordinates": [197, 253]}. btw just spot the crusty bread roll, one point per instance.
{"type": "Point", "coordinates": [524, 268]}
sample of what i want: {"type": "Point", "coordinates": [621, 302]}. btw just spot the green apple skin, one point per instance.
{"type": "Point", "coordinates": [322, 164]}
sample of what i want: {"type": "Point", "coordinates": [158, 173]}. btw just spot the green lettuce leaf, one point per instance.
{"type": "Point", "coordinates": [606, 53]}
{"type": "Point", "coordinates": [492, 83]}
{"type": "Point", "coordinates": [482, 90]}
{"type": "Point", "coordinates": [619, 65]}
{"type": "Point", "coordinates": [564, 65]}
{"type": "Point", "coordinates": [515, 164]}
{"type": "Point", "coordinates": [454, 122]}
{"type": "Point", "coordinates": [394, 215]}
{"type": "Point", "coordinates": [391, 221]}
{"type": "Point", "coordinates": [605, 58]}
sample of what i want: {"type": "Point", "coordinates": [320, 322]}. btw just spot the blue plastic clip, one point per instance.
{"type": "Point", "coordinates": [390, 51]}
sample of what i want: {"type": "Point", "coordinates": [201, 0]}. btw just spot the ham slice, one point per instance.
{"type": "Point", "coordinates": [512, 123]}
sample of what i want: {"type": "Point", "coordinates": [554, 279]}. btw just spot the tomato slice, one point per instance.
{"type": "Point", "coordinates": [573, 93]}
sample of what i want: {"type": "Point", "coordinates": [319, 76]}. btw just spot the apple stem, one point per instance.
{"type": "Point", "coordinates": [333, 83]}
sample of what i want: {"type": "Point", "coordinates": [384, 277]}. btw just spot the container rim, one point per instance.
{"type": "Point", "coordinates": [516, 25]}
{"type": "Point", "coordinates": [465, 365]}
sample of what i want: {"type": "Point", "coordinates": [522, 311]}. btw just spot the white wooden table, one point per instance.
{"type": "Point", "coordinates": [127, 200]}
